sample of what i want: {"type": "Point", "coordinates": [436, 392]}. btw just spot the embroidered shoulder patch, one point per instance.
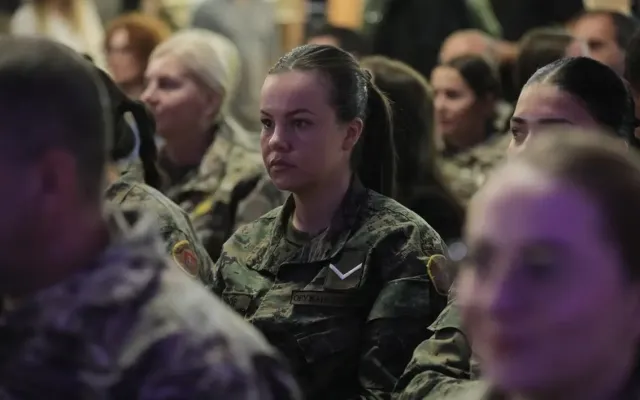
{"type": "Point", "coordinates": [184, 255]}
{"type": "Point", "coordinates": [441, 272]}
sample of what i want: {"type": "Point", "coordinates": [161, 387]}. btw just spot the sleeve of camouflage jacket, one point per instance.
{"type": "Point", "coordinates": [402, 311]}
{"type": "Point", "coordinates": [215, 219]}
{"type": "Point", "coordinates": [204, 373]}
{"type": "Point", "coordinates": [442, 365]}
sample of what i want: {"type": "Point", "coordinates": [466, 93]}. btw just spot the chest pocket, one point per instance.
{"type": "Point", "coordinates": [340, 310]}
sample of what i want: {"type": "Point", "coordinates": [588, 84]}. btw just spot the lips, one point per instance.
{"type": "Point", "coordinates": [279, 164]}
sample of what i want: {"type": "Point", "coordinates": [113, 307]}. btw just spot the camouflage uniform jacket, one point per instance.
{"type": "Point", "coordinates": [466, 171]}
{"type": "Point", "coordinates": [443, 364]}
{"type": "Point", "coordinates": [131, 327]}
{"type": "Point", "coordinates": [212, 193]}
{"type": "Point", "coordinates": [182, 244]}
{"type": "Point", "coordinates": [346, 307]}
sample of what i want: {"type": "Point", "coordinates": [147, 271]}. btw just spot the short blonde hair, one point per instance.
{"type": "Point", "coordinates": [210, 58]}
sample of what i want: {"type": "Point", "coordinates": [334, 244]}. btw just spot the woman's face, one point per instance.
{"type": "Point", "coordinates": [123, 64]}
{"type": "Point", "coordinates": [458, 111]}
{"type": "Point", "coordinates": [303, 143]}
{"type": "Point", "coordinates": [541, 105]}
{"type": "Point", "coordinates": [542, 292]}
{"type": "Point", "coordinates": [180, 105]}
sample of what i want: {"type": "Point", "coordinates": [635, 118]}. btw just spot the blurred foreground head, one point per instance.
{"type": "Point", "coordinates": [54, 132]}
{"type": "Point", "coordinates": [550, 287]}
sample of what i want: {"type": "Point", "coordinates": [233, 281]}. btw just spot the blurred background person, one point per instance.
{"type": "Point", "coordinates": [542, 46]}
{"type": "Point", "coordinates": [347, 39]}
{"type": "Point", "coordinates": [467, 93]}
{"type": "Point", "coordinates": [607, 34]}
{"type": "Point", "coordinates": [212, 163]}
{"type": "Point", "coordinates": [251, 26]}
{"type": "Point", "coordinates": [545, 318]}
{"type": "Point", "coordinates": [420, 184]}
{"type": "Point", "coordinates": [74, 23]}
{"type": "Point", "coordinates": [130, 40]}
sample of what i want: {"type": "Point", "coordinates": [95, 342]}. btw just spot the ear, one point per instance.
{"type": "Point", "coordinates": [353, 133]}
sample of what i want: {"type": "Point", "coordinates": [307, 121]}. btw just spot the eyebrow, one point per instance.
{"type": "Point", "coordinates": [519, 120]}
{"type": "Point", "coordinates": [292, 112]}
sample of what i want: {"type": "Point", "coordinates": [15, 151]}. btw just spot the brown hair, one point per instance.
{"type": "Point", "coordinates": [607, 171]}
{"type": "Point", "coordinates": [145, 33]}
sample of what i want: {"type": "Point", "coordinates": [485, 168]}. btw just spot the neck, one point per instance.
{"type": "Point", "coordinates": [71, 251]}
{"type": "Point", "coordinates": [315, 208]}
{"type": "Point", "coordinates": [188, 150]}
{"type": "Point", "coordinates": [604, 384]}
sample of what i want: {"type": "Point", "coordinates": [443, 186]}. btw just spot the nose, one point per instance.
{"type": "Point", "coordinates": [149, 96]}
{"type": "Point", "coordinates": [278, 139]}
{"type": "Point", "coordinates": [506, 296]}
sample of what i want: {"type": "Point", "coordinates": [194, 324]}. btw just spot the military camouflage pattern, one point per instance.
{"type": "Point", "coordinates": [443, 364]}
{"type": "Point", "coordinates": [227, 175]}
{"type": "Point", "coordinates": [131, 327]}
{"type": "Point", "coordinates": [347, 307]}
{"type": "Point", "coordinates": [129, 193]}
{"type": "Point", "coordinates": [466, 171]}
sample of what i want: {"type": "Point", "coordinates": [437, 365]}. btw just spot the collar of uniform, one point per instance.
{"type": "Point", "coordinates": [328, 244]}
{"type": "Point", "coordinates": [130, 263]}
{"type": "Point", "coordinates": [132, 171]}
{"type": "Point", "coordinates": [212, 167]}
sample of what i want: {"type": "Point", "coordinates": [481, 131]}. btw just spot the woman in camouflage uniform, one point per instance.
{"type": "Point", "coordinates": [211, 162]}
{"type": "Point", "coordinates": [133, 177]}
{"type": "Point", "coordinates": [337, 278]}
{"type": "Point", "coordinates": [467, 90]}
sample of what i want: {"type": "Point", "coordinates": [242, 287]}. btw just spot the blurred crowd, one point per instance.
{"type": "Point", "coordinates": [243, 199]}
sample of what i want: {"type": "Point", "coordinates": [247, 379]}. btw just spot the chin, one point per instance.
{"type": "Point", "coordinates": [516, 376]}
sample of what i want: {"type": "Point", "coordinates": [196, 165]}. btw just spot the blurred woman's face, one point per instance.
{"type": "Point", "coordinates": [543, 294]}
{"type": "Point", "coordinates": [123, 64]}
{"type": "Point", "coordinates": [458, 111]}
{"type": "Point", "coordinates": [541, 105]}
{"type": "Point", "coordinates": [181, 106]}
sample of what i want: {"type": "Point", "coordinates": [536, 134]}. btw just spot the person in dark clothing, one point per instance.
{"type": "Point", "coordinates": [420, 184]}
{"type": "Point", "coordinates": [412, 31]}
{"type": "Point", "coordinates": [519, 17]}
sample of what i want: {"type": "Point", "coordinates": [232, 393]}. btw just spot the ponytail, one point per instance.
{"type": "Point", "coordinates": [376, 157]}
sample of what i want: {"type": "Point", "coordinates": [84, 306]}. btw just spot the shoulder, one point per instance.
{"type": "Point", "coordinates": [185, 329]}
{"type": "Point", "coordinates": [389, 221]}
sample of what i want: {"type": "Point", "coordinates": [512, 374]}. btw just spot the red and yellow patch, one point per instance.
{"type": "Point", "coordinates": [184, 255]}
{"type": "Point", "coordinates": [441, 273]}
